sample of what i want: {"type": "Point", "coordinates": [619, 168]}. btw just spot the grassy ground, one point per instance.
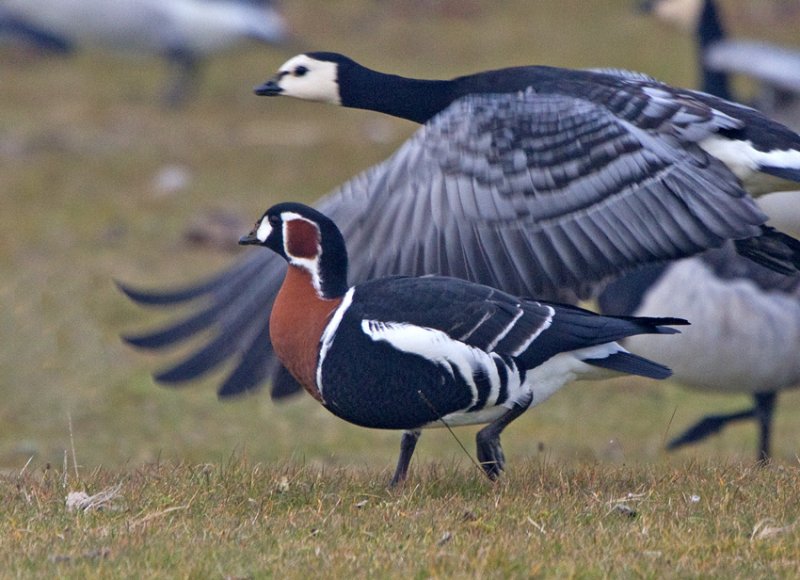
{"type": "Point", "coordinates": [85, 151]}
{"type": "Point", "coordinates": [243, 520]}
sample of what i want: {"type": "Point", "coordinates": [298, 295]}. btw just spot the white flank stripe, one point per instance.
{"type": "Point", "coordinates": [494, 379]}
{"type": "Point", "coordinates": [433, 345]}
{"type": "Point", "coordinates": [491, 346]}
{"type": "Point", "coordinates": [524, 346]}
{"type": "Point", "coordinates": [329, 334]}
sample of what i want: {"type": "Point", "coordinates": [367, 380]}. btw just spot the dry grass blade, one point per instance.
{"type": "Point", "coordinates": [768, 528]}
{"type": "Point", "coordinates": [81, 501]}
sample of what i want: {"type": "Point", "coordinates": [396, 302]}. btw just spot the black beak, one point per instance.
{"type": "Point", "coordinates": [271, 88]}
{"type": "Point", "coordinates": [249, 240]}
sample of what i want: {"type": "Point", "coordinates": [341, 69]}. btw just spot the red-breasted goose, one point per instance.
{"type": "Point", "coordinates": [409, 353]}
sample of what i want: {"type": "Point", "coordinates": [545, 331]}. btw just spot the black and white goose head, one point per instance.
{"type": "Point", "coordinates": [307, 240]}
{"type": "Point", "coordinates": [313, 76]}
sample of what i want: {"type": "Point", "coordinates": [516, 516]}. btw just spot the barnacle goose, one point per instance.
{"type": "Point", "coordinates": [539, 181]}
{"type": "Point", "coordinates": [744, 337]}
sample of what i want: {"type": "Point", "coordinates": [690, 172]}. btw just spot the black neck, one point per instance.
{"type": "Point", "coordinates": [333, 262]}
{"type": "Point", "coordinates": [412, 99]}
{"type": "Point", "coordinates": [709, 31]}
{"type": "Point", "coordinates": [709, 27]}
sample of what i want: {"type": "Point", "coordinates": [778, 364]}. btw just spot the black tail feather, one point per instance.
{"type": "Point", "coordinates": [632, 364]}
{"type": "Point", "coordinates": [772, 249]}
{"type": "Point", "coordinates": [788, 173]}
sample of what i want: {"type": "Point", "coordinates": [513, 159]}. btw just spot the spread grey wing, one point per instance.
{"type": "Point", "coordinates": [540, 193]}
{"type": "Point", "coordinates": [537, 195]}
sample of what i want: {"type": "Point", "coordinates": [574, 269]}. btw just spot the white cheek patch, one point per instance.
{"type": "Point", "coordinates": [264, 230]}
{"type": "Point", "coordinates": [318, 84]}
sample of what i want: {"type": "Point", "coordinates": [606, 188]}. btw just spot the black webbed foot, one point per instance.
{"type": "Point", "coordinates": [490, 452]}
{"type": "Point", "coordinates": [407, 445]}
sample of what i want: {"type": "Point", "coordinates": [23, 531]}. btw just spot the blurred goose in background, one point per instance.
{"type": "Point", "coordinates": [183, 32]}
{"type": "Point", "coordinates": [539, 181]}
{"type": "Point", "coordinates": [15, 29]}
{"type": "Point", "coordinates": [748, 329]}
{"type": "Point", "coordinates": [775, 68]}
{"type": "Point", "coordinates": [744, 338]}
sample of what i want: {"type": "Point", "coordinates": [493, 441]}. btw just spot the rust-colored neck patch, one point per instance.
{"type": "Point", "coordinates": [299, 316]}
{"type": "Point", "coordinates": [302, 239]}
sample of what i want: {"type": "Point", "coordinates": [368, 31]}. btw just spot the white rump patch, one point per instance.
{"type": "Point", "coordinates": [566, 367]}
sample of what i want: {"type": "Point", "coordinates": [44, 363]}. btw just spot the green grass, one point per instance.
{"type": "Point", "coordinates": [82, 142]}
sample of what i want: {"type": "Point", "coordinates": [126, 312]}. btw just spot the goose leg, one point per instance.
{"type": "Point", "coordinates": [490, 452]}
{"type": "Point", "coordinates": [707, 426]}
{"type": "Point", "coordinates": [185, 73]}
{"type": "Point", "coordinates": [764, 410]}
{"type": "Point", "coordinates": [407, 445]}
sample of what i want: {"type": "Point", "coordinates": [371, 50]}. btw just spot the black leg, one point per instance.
{"type": "Point", "coordinates": [764, 410]}
{"type": "Point", "coordinates": [707, 426]}
{"type": "Point", "coordinates": [490, 452]}
{"type": "Point", "coordinates": [185, 75]}
{"type": "Point", "coordinates": [407, 445]}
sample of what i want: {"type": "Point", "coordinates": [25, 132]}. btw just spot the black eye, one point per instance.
{"type": "Point", "coordinates": [300, 71]}
{"type": "Point", "coordinates": [274, 220]}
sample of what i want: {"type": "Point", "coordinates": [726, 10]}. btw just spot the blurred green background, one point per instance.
{"type": "Point", "coordinates": [99, 181]}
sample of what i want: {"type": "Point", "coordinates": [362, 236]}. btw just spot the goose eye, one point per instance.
{"type": "Point", "coordinates": [274, 220]}
{"type": "Point", "coordinates": [300, 71]}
